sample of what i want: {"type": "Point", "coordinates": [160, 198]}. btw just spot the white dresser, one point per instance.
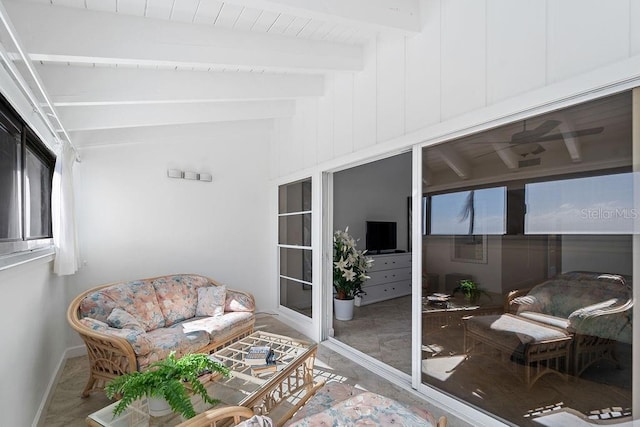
{"type": "Point", "coordinates": [390, 277]}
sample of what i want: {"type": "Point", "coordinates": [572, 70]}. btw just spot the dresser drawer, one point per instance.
{"type": "Point", "coordinates": [388, 276]}
{"type": "Point", "coordinates": [390, 261]}
{"type": "Point", "coordinates": [385, 291]}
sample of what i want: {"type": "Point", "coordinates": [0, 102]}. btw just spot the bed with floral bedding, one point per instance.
{"type": "Point", "coordinates": [126, 326]}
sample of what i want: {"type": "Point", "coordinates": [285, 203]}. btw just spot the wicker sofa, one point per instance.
{"type": "Point", "coordinates": [126, 326]}
{"type": "Point", "coordinates": [594, 308]}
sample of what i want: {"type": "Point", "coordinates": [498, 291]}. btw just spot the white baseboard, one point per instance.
{"type": "Point", "coordinates": [39, 419]}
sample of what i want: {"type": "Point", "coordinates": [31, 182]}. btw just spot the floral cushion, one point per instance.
{"type": "Point", "coordinates": [177, 296]}
{"type": "Point", "coordinates": [136, 337]}
{"type": "Point", "coordinates": [329, 394]}
{"type": "Point", "coordinates": [211, 300]}
{"type": "Point", "coordinates": [221, 326]}
{"type": "Point", "coordinates": [121, 319]}
{"type": "Point", "coordinates": [365, 409]}
{"type": "Point", "coordinates": [140, 299]}
{"type": "Point", "coordinates": [569, 292]}
{"type": "Point", "coordinates": [239, 301]}
{"type": "Point", "coordinates": [582, 302]}
{"type": "Point", "coordinates": [165, 340]}
{"type": "Point", "coordinates": [257, 421]}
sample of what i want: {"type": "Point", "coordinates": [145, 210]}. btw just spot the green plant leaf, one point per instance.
{"type": "Point", "coordinates": [166, 378]}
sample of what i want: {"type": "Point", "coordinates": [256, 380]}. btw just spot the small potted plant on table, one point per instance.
{"type": "Point", "coordinates": [167, 379]}
{"type": "Point", "coordinates": [349, 273]}
{"type": "Point", "coordinates": [470, 290]}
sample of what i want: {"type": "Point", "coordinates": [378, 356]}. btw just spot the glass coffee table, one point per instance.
{"type": "Point", "coordinates": [263, 391]}
{"type": "Point", "coordinates": [450, 313]}
{"type": "Point", "coordinates": [295, 360]}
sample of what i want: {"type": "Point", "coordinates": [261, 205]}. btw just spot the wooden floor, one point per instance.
{"type": "Point", "coordinates": [483, 380]}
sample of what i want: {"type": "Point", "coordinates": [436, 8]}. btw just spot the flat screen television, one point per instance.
{"type": "Point", "coordinates": [381, 236]}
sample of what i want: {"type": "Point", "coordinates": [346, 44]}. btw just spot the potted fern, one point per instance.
{"type": "Point", "coordinates": [167, 379]}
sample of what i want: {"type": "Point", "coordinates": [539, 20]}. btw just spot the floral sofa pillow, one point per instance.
{"type": "Point", "coordinates": [211, 301]}
{"type": "Point", "coordinates": [121, 319]}
{"type": "Point", "coordinates": [138, 338]}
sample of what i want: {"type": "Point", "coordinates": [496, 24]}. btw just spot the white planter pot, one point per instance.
{"type": "Point", "coordinates": [343, 309]}
{"type": "Point", "coordinates": [158, 407]}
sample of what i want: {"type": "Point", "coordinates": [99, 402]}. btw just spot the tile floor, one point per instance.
{"type": "Point", "coordinates": [482, 380]}
{"type": "Point", "coordinates": [68, 409]}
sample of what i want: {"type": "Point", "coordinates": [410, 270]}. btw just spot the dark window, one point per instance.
{"type": "Point", "coordinates": [26, 172]}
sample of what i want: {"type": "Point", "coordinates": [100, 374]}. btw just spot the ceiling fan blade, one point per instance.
{"type": "Point", "coordinates": [546, 127]}
{"type": "Point", "coordinates": [526, 136]}
{"type": "Point", "coordinates": [572, 134]}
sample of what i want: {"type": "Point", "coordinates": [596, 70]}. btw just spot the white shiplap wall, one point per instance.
{"type": "Point", "coordinates": [470, 55]}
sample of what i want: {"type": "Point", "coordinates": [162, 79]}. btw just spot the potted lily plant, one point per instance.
{"type": "Point", "coordinates": [349, 273]}
{"type": "Point", "coordinates": [168, 380]}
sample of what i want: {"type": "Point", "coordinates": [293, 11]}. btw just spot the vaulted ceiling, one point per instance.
{"type": "Point", "coordinates": [119, 69]}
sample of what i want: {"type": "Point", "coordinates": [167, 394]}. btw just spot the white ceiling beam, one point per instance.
{"type": "Point", "coordinates": [79, 35]}
{"type": "Point", "coordinates": [104, 86]}
{"type": "Point", "coordinates": [124, 116]}
{"type": "Point", "coordinates": [427, 176]}
{"type": "Point", "coordinates": [508, 157]}
{"type": "Point", "coordinates": [571, 143]}
{"type": "Point", "coordinates": [216, 133]}
{"type": "Point", "coordinates": [401, 16]}
{"type": "Point", "coordinates": [460, 166]}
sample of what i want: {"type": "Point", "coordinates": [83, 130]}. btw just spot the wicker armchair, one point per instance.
{"type": "Point", "coordinates": [595, 308]}
{"type": "Point", "coordinates": [220, 417]}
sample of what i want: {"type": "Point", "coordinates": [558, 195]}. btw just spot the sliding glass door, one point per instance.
{"type": "Point", "coordinates": [528, 265]}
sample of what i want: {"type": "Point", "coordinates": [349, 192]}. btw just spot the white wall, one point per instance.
{"type": "Point", "coordinates": [471, 55]}
{"type": "Point", "coordinates": [32, 330]}
{"type": "Point", "coordinates": [437, 255]}
{"type": "Point", "coordinates": [376, 191]}
{"type": "Point", "coordinates": [32, 320]}
{"type": "Point", "coordinates": [135, 222]}
{"type": "Point", "coordinates": [602, 254]}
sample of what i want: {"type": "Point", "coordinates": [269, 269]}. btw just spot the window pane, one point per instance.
{"type": "Point", "coordinates": [10, 211]}
{"type": "Point", "coordinates": [296, 263]}
{"type": "Point", "coordinates": [593, 205]}
{"type": "Point", "coordinates": [295, 197]}
{"type": "Point", "coordinates": [295, 230]}
{"type": "Point", "coordinates": [469, 212]}
{"type": "Point", "coordinates": [551, 326]}
{"type": "Point", "coordinates": [296, 296]}
{"type": "Point", "coordinates": [38, 196]}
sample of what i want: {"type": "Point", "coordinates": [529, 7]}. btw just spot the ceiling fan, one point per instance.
{"type": "Point", "coordinates": [527, 141]}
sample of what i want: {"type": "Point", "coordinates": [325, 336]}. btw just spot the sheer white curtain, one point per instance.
{"type": "Point", "coordinates": [63, 214]}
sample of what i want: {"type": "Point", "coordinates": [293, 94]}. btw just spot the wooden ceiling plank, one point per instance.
{"type": "Point", "coordinates": [228, 16]}
{"type": "Point", "coordinates": [184, 10]}
{"type": "Point", "coordinates": [247, 19]}
{"type": "Point", "coordinates": [99, 37]}
{"type": "Point", "coordinates": [207, 12]}
{"type": "Point", "coordinates": [131, 7]}
{"type": "Point", "coordinates": [401, 16]}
